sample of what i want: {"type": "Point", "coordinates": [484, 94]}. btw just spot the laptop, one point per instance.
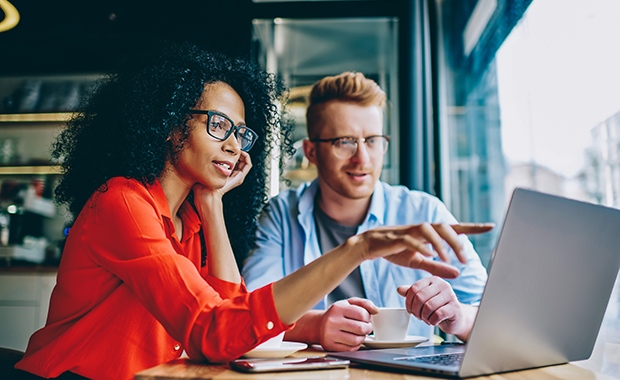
{"type": "Point", "coordinates": [550, 279]}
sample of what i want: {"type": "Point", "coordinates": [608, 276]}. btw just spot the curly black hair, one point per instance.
{"type": "Point", "coordinates": [123, 129]}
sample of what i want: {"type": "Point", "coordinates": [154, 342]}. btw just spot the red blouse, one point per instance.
{"type": "Point", "coordinates": [130, 295]}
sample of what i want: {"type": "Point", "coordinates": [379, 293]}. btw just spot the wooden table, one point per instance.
{"type": "Point", "coordinates": [186, 369]}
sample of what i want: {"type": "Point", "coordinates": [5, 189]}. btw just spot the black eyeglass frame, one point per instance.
{"type": "Point", "coordinates": [232, 130]}
{"type": "Point", "coordinates": [357, 141]}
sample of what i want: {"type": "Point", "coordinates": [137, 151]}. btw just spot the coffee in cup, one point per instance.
{"type": "Point", "coordinates": [391, 323]}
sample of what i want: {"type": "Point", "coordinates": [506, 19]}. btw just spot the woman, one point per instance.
{"type": "Point", "coordinates": [152, 166]}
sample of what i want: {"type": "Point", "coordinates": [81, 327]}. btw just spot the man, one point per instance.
{"type": "Point", "coordinates": [347, 145]}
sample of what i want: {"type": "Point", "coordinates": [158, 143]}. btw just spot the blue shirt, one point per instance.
{"type": "Point", "coordinates": [287, 240]}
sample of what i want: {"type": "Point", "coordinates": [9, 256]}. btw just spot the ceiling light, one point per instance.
{"type": "Point", "coordinates": [11, 16]}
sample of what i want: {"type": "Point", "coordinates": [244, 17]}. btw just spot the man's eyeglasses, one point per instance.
{"type": "Point", "coordinates": [220, 127]}
{"type": "Point", "coordinates": [345, 147]}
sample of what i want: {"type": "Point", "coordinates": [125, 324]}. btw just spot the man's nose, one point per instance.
{"type": "Point", "coordinates": [362, 154]}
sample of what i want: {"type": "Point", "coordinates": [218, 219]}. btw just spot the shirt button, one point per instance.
{"type": "Point", "coordinates": [177, 347]}
{"type": "Point", "coordinates": [269, 325]}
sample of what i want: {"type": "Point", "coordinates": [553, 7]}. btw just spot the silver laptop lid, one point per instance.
{"type": "Point", "coordinates": [550, 280]}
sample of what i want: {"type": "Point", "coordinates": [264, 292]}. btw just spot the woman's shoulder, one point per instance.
{"type": "Point", "coordinates": [126, 199]}
{"type": "Point", "coordinates": [120, 183]}
{"type": "Point", "coordinates": [120, 188]}
{"type": "Point", "coordinates": [123, 185]}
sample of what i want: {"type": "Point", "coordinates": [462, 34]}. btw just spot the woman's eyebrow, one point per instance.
{"type": "Point", "coordinates": [225, 114]}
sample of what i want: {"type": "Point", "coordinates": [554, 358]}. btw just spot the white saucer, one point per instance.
{"type": "Point", "coordinates": [409, 341]}
{"type": "Point", "coordinates": [285, 349]}
{"type": "Point", "coordinates": [317, 347]}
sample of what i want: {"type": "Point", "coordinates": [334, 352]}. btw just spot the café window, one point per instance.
{"type": "Point", "coordinates": [528, 97]}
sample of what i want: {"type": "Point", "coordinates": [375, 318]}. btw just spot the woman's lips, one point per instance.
{"type": "Point", "coordinates": [224, 167]}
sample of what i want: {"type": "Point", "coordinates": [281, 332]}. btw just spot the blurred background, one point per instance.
{"type": "Point", "coordinates": [483, 95]}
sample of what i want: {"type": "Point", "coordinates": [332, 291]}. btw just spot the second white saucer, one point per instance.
{"type": "Point", "coordinates": [409, 341]}
{"type": "Point", "coordinates": [285, 349]}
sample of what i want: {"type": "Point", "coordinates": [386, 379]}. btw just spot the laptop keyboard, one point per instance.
{"type": "Point", "coordinates": [443, 359]}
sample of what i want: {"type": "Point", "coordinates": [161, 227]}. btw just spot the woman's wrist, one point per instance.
{"type": "Point", "coordinates": [209, 203]}
{"type": "Point", "coordinates": [355, 245]}
{"type": "Point", "coordinates": [349, 254]}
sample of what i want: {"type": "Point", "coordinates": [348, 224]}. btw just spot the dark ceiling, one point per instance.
{"type": "Point", "coordinates": [86, 36]}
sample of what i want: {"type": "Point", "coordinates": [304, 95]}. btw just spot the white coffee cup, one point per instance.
{"type": "Point", "coordinates": [391, 323]}
{"type": "Point", "coordinates": [272, 343]}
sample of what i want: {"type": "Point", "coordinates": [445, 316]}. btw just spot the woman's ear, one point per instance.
{"type": "Point", "coordinates": [173, 137]}
{"type": "Point", "coordinates": [175, 141]}
{"type": "Point", "coordinates": [310, 150]}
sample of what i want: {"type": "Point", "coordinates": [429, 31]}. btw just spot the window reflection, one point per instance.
{"type": "Point", "coordinates": [543, 113]}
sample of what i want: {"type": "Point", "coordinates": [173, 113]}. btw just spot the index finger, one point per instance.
{"type": "Point", "coordinates": [364, 303]}
{"type": "Point", "coordinates": [244, 163]}
{"type": "Point", "coordinates": [437, 268]}
{"type": "Point", "coordinates": [472, 228]}
{"type": "Point", "coordinates": [451, 237]}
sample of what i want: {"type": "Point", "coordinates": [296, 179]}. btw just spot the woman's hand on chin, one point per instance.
{"type": "Point", "coordinates": [239, 172]}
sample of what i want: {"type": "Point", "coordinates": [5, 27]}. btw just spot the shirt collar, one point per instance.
{"type": "Point", "coordinates": [191, 221]}
{"type": "Point", "coordinates": [157, 192]}
{"type": "Point", "coordinates": [377, 204]}
{"type": "Point", "coordinates": [307, 192]}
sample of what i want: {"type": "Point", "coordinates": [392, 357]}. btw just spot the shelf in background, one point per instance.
{"type": "Point", "coordinates": [55, 117]}
{"type": "Point", "coordinates": [50, 169]}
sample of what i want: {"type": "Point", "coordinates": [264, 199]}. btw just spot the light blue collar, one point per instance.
{"type": "Point", "coordinates": [376, 213]}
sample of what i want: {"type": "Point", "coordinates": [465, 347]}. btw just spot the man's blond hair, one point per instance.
{"type": "Point", "coordinates": [347, 87]}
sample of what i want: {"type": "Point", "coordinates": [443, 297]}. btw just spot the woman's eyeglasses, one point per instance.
{"type": "Point", "coordinates": [220, 128]}
{"type": "Point", "coordinates": [345, 147]}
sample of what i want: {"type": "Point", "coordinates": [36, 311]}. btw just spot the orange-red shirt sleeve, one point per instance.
{"type": "Point", "coordinates": [214, 319]}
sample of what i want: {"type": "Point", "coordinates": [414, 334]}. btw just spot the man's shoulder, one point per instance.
{"type": "Point", "coordinates": [399, 204]}
{"type": "Point", "coordinates": [400, 193]}
{"type": "Point", "coordinates": [287, 193]}
{"type": "Point", "coordinates": [285, 204]}
{"type": "Point", "coordinates": [293, 195]}
{"type": "Point", "coordinates": [285, 197]}
{"type": "Point", "coordinates": [403, 205]}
